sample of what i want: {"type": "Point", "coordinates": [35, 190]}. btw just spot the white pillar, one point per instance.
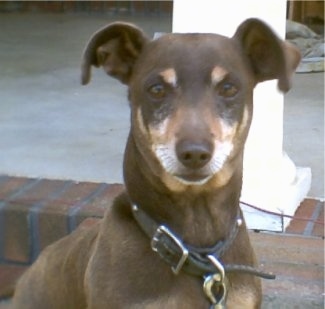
{"type": "Point", "coordinates": [271, 180]}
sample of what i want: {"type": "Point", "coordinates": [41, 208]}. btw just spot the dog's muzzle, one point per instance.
{"type": "Point", "coordinates": [193, 162]}
{"type": "Point", "coordinates": [194, 156]}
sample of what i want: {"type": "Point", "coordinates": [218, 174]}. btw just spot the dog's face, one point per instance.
{"type": "Point", "coordinates": [191, 94]}
{"type": "Point", "coordinates": [191, 106]}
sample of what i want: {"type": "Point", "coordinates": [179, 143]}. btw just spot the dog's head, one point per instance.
{"type": "Point", "coordinates": [191, 94]}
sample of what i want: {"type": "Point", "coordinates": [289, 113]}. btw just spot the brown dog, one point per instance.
{"type": "Point", "coordinates": [176, 238]}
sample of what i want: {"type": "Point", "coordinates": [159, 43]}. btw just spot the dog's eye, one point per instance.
{"type": "Point", "coordinates": [157, 91]}
{"type": "Point", "coordinates": [227, 89]}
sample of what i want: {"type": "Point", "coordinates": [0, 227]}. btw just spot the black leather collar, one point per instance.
{"type": "Point", "coordinates": [178, 255]}
{"type": "Point", "coordinates": [195, 261]}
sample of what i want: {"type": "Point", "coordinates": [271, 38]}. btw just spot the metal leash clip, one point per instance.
{"type": "Point", "coordinates": [214, 285]}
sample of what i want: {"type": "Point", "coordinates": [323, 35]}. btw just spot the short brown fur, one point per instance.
{"type": "Point", "coordinates": [191, 108]}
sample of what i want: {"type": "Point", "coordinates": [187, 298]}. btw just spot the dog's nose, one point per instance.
{"type": "Point", "coordinates": [194, 155]}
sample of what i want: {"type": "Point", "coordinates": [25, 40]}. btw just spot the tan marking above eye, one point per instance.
{"type": "Point", "coordinates": [218, 74]}
{"type": "Point", "coordinates": [169, 76]}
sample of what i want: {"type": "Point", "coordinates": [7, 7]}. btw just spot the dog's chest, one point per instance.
{"type": "Point", "coordinates": [184, 300]}
{"type": "Point", "coordinates": [241, 299]}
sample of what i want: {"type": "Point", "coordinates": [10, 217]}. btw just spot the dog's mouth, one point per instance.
{"type": "Point", "coordinates": [192, 175]}
{"type": "Point", "coordinates": [195, 179]}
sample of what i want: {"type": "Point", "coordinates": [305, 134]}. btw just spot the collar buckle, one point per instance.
{"type": "Point", "coordinates": [164, 237]}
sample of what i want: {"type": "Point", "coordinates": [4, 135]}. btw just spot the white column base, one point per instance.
{"type": "Point", "coordinates": [271, 180]}
{"type": "Point", "coordinates": [279, 189]}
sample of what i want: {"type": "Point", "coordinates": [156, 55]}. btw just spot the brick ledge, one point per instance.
{"type": "Point", "coordinates": [37, 212]}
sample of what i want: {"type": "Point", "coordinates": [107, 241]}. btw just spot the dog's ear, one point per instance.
{"type": "Point", "coordinates": [270, 57]}
{"type": "Point", "coordinates": [115, 48]}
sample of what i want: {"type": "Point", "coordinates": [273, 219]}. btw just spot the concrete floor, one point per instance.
{"type": "Point", "coordinates": [52, 127]}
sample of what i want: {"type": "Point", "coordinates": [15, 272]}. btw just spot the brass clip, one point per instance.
{"type": "Point", "coordinates": [214, 285]}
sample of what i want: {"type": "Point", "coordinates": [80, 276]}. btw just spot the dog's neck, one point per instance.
{"type": "Point", "coordinates": [200, 218]}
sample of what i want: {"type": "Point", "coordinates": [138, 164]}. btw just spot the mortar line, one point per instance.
{"type": "Point", "coordinates": [30, 183]}
{"type": "Point", "coordinates": [33, 215]}
{"type": "Point", "coordinates": [310, 225]}
{"type": "Point", "coordinates": [72, 224]}
{"type": "Point", "coordinates": [21, 190]}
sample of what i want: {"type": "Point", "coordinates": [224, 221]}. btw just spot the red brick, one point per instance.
{"type": "Point", "coordinates": [283, 240]}
{"type": "Point", "coordinates": [53, 218]}
{"type": "Point", "coordinates": [152, 7]}
{"type": "Point", "coordinates": [52, 227]}
{"type": "Point", "coordinates": [319, 227]}
{"type": "Point", "coordinates": [53, 6]}
{"type": "Point", "coordinates": [98, 206]}
{"type": "Point", "coordinates": [296, 261]}
{"type": "Point", "coordinates": [10, 186]}
{"type": "Point", "coordinates": [288, 287]}
{"type": "Point", "coordinates": [17, 221]}
{"type": "Point", "coordinates": [9, 275]}
{"type": "Point", "coordinates": [166, 6]}
{"type": "Point", "coordinates": [304, 211]}
{"type": "Point", "coordinates": [34, 6]}
{"type": "Point", "coordinates": [97, 5]}
{"type": "Point", "coordinates": [281, 247]}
